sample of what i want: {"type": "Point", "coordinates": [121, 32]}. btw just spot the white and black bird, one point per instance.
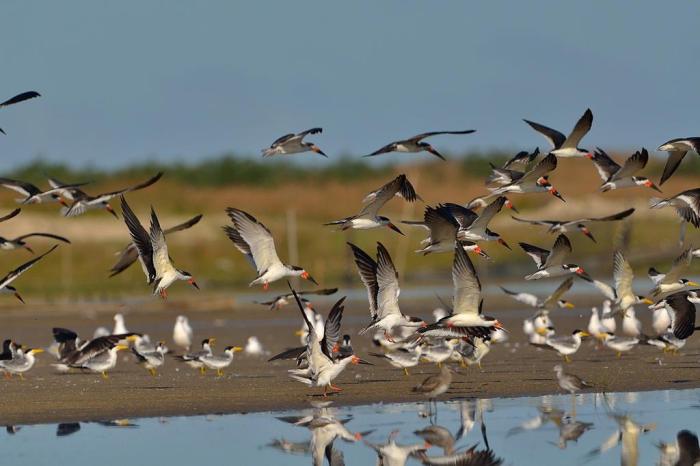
{"type": "Point", "coordinates": [382, 282]}
{"type": "Point", "coordinates": [153, 252]}
{"type": "Point", "coordinates": [369, 216]}
{"type": "Point", "coordinates": [5, 282]}
{"type": "Point", "coordinates": [567, 146]}
{"type": "Point", "coordinates": [566, 345]}
{"type": "Point", "coordinates": [687, 205]}
{"type": "Point", "coordinates": [280, 301]}
{"type": "Point", "coordinates": [551, 302]}
{"type": "Point", "coordinates": [552, 264]}
{"type": "Point", "coordinates": [681, 307]}
{"type": "Point", "coordinates": [565, 226]}
{"type": "Point", "coordinates": [673, 280]}
{"type": "Point", "coordinates": [153, 358]}
{"type": "Point", "coordinates": [535, 180]}
{"type": "Point", "coordinates": [98, 355]}
{"type": "Point", "coordinates": [22, 361]}
{"type": "Point", "coordinates": [192, 358]}
{"type": "Point", "coordinates": [17, 99]}
{"type": "Point", "coordinates": [507, 173]}
{"type": "Point", "coordinates": [293, 144]}
{"type": "Point", "coordinates": [11, 244]}
{"type": "Point", "coordinates": [615, 176]}
{"type": "Point", "coordinates": [415, 144]}
{"type": "Point", "coordinates": [130, 253]}
{"type": "Point", "coordinates": [255, 241]}
{"type": "Point", "coordinates": [677, 148]}
{"type": "Point", "coordinates": [466, 319]}
{"type": "Point", "coordinates": [478, 229]}
{"type": "Point", "coordinates": [83, 202]}
{"type": "Point", "coordinates": [34, 195]}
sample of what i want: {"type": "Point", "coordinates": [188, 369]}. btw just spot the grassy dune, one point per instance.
{"type": "Point", "coordinates": [275, 190]}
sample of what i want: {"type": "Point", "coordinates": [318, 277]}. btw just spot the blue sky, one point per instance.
{"type": "Point", "coordinates": [132, 80]}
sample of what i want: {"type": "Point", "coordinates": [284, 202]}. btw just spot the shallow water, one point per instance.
{"type": "Point", "coordinates": [522, 431]}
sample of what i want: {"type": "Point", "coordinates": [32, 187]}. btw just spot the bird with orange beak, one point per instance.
{"type": "Point", "coordinates": [5, 286]}
{"type": "Point", "coordinates": [294, 144]}
{"type": "Point", "coordinates": [255, 241]}
{"type": "Point", "coordinates": [369, 217]}
{"type": "Point", "coordinates": [153, 253]}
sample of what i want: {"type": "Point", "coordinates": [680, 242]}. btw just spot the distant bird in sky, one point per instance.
{"type": "Point", "coordinates": [255, 241]}
{"type": "Point", "coordinates": [567, 146]}
{"type": "Point", "coordinates": [84, 202]}
{"type": "Point", "coordinates": [677, 148]}
{"type": "Point", "coordinates": [17, 99]}
{"type": "Point", "coordinates": [369, 216]}
{"type": "Point", "coordinates": [564, 226]}
{"type": "Point", "coordinates": [130, 253]}
{"type": "Point", "coordinates": [153, 252]}
{"type": "Point", "coordinates": [415, 144]}
{"type": "Point", "coordinates": [293, 144]}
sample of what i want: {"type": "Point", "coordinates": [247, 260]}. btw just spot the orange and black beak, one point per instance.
{"type": "Point", "coordinates": [28, 248]}
{"type": "Point", "coordinates": [193, 283]}
{"type": "Point", "coordinates": [582, 273]}
{"type": "Point", "coordinates": [111, 211]}
{"type": "Point", "coordinates": [358, 360]}
{"type": "Point", "coordinates": [318, 151]}
{"type": "Point", "coordinates": [18, 296]}
{"type": "Point", "coordinates": [62, 202]}
{"type": "Point", "coordinates": [509, 205]}
{"type": "Point", "coordinates": [498, 325]}
{"type": "Point", "coordinates": [502, 242]}
{"type": "Point", "coordinates": [553, 191]}
{"type": "Point", "coordinates": [435, 153]}
{"type": "Point", "coordinates": [305, 275]}
{"type": "Point", "coordinates": [395, 228]}
{"type": "Point", "coordinates": [649, 184]}
{"type": "Point", "coordinates": [588, 233]}
{"type": "Point", "coordinates": [589, 156]}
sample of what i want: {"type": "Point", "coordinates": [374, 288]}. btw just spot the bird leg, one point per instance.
{"type": "Point", "coordinates": [388, 337]}
{"type": "Point", "coordinates": [202, 370]}
{"type": "Point", "coordinates": [405, 371]}
{"type": "Point", "coordinates": [567, 358]}
{"type": "Point", "coordinates": [21, 376]}
{"type": "Point", "coordinates": [219, 372]}
{"type": "Point", "coordinates": [7, 375]}
{"type": "Point", "coordinates": [619, 354]}
{"type": "Point", "coordinates": [153, 372]}
{"type": "Point", "coordinates": [164, 294]}
{"type": "Point", "coordinates": [266, 286]}
{"type": "Point", "coordinates": [439, 365]}
{"type": "Point", "coordinates": [104, 375]}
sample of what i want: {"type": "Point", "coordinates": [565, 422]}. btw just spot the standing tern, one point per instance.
{"type": "Point", "coordinates": [382, 282]}
{"type": "Point", "coordinates": [278, 302]}
{"type": "Point", "coordinates": [182, 333]}
{"type": "Point", "coordinates": [119, 324]}
{"type": "Point", "coordinates": [192, 359]}
{"type": "Point", "coordinates": [219, 363]}
{"type": "Point", "coordinates": [615, 176]}
{"type": "Point", "coordinates": [98, 355]}
{"type": "Point", "coordinates": [564, 226]}
{"type": "Point", "coordinates": [551, 264]}
{"type": "Point", "coordinates": [10, 244]}
{"type": "Point", "coordinates": [34, 195]}
{"type": "Point", "coordinates": [21, 362]}
{"type": "Point", "coordinates": [466, 319]}
{"type": "Point", "coordinates": [535, 180]}
{"type": "Point", "coordinates": [293, 144]}
{"type": "Point", "coordinates": [403, 358]}
{"type": "Point", "coordinates": [5, 286]}
{"type": "Point", "coordinates": [153, 253]}
{"type": "Point", "coordinates": [619, 344]}
{"type": "Point", "coordinates": [84, 202]}
{"type": "Point", "coordinates": [369, 216]}
{"type": "Point", "coordinates": [130, 253]}
{"type": "Point", "coordinates": [152, 359]}
{"type": "Point", "coordinates": [677, 148]}
{"type": "Point", "coordinates": [17, 99]}
{"type": "Point", "coordinates": [568, 344]}
{"type": "Point", "coordinates": [566, 146]}
{"type": "Point", "coordinates": [255, 241]}
{"type": "Point", "coordinates": [415, 144]}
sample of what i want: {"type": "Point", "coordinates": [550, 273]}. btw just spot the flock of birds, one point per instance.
{"type": "Point", "coordinates": [463, 333]}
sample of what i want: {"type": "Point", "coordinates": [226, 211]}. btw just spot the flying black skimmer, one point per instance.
{"type": "Point", "coordinates": [478, 230]}
{"type": "Point", "coordinates": [535, 180]}
{"type": "Point", "coordinates": [6, 287]}
{"type": "Point", "coordinates": [551, 302]}
{"type": "Point", "coordinates": [10, 244]}
{"type": "Point", "coordinates": [568, 344]}
{"type": "Point", "coordinates": [98, 355]}
{"type": "Point", "coordinates": [278, 302]}
{"type": "Point", "coordinates": [323, 368]}
{"type": "Point", "coordinates": [615, 176]}
{"type": "Point", "coordinates": [672, 281]}
{"type": "Point", "coordinates": [192, 359]}
{"type": "Point", "coordinates": [677, 148]}
{"type": "Point", "coordinates": [443, 222]}
{"type": "Point", "coordinates": [153, 253]}
{"type": "Point", "coordinates": [34, 195]}
{"type": "Point", "coordinates": [394, 454]}
{"type": "Point", "coordinates": [255, 241]}
{"type": "Point", "coordinates": [687, 205]}
{"type": "Point", "coordinates": [470, 456]}
{"type": "Point", "coordinates": [130, 253]}
{"type": "Point", "coordinates": [507, 173]}
{"type": "Point", "coordinates": [369, 216]}
{"type": "Point", "coordinates": [570, 382]}
{"type": "Point", "coordinates": [17, 99]}
{"type": "Point", "coordinates": [182, 333]}
{"type": "Point", "coordinates": [151, 359]}
{"type": "Point", "coordinates": [466, 319]}
{"type": "Point", "coordinates": [84, 202]}
{"type": "Point", "coordinates": [21, 362]}
{"type": "Point", "coordinates": [219, 362]}
{"type": "Point", "coordinates": [415, 144]}
{"type": "Point", "coordinates": [566, 146]}
{"type": "Point", "coordinates": [294, 144]}
{"type": "Point", "coordinates": [564, 226]}
{"type": "Point", "coordinates": [551, 264]}
{"type": "Point", "coordinates": [619, 344]}
{"type": "Point", "coordinates": [681, 307]}
{"type": "Point", "coordinates": [382, 282]}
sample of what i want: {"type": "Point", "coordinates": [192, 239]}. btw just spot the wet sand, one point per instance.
{"type": "Point", "coordinates": [252, 384]}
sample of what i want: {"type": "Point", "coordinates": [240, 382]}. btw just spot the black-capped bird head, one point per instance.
{"type": "Point", "coordinates": [584, 229]}
{"type": "Point", "coordinates": [109, 209]}
{"type": "Point", "coordinates": [14, 291]}
{"type": "Point", "coordinates": [564, 304]}
{"type": "Point", "coordinates": [387, 223]}
{"type": "Point", "coordinates": [646, 182]}
{"type": "Point", "coordinates": [314, 148]}
{"type": "Point", "coordinates": [189, 278]}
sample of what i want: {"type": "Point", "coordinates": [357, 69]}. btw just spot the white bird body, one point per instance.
{"type": "Point", "coordinates": [631, 326]}
{"type": "Point", "coordinates": [119, 325]}
{"type": "Point", "coordinates": [182, 333]}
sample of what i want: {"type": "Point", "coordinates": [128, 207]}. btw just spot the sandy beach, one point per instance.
{"type": "Point", "coordinates": [252, 384]}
